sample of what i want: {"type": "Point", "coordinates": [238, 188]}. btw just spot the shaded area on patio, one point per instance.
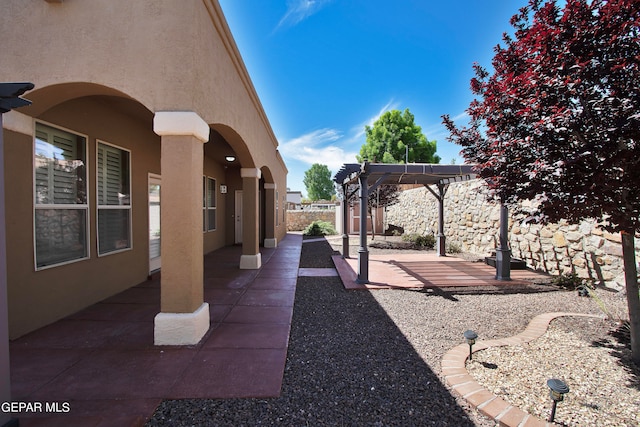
{"type": "Point", "coordinates": [348, 364]}
{"type": "Point", "coordinates": [103, 363]}
{"type": "Point", "coordinates": [430, 271]}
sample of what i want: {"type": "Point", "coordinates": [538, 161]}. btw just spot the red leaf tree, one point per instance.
{"type": "Point", "coordinates": [558, 120]}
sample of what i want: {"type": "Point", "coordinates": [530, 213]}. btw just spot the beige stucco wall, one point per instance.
{"type": "Point", "coordinates": [76, 284]}
{"type": "Point", "coordinates": [166, 54]}
{"type": "Point", "coordinates": [133, 59]}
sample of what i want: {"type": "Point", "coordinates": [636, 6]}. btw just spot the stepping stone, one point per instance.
{"type": "Point", "coordinates": [317, 272]}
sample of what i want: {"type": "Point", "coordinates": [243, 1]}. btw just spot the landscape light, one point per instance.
{"type": "Point", "coordinates": [558, 389]}
{"type": "Point", "coordinates": [471, 337]}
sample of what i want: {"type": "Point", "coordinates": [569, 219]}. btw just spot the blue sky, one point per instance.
{"type": "Point", "coordinates": [324, 69]}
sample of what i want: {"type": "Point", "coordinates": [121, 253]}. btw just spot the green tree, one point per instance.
{"type": "Point", "coordinates": [318, 182]}
{"type": "Point", "coordinates": [394, 137]}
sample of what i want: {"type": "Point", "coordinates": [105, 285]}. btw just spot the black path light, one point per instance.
{"type": "Point", "coordinates": [10, 95]}
{"type": "Point", "coordinates": [471, 337]}
{"type": "Point", "coordinates": [558, 390]}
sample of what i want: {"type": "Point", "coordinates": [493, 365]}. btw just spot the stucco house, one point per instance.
{"type": "Point", "coordinates": [145, 147]}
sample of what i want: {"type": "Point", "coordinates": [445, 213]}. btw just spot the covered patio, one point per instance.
{"type": "Point", "coordinates": [100, 366]}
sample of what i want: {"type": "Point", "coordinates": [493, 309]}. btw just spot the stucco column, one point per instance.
{"type": "Point", "coordinates": [270, 240]}
{"type": "Point", "coordinates": [184, 316]}
{"type": "Point", "coordinates": [251, 258]}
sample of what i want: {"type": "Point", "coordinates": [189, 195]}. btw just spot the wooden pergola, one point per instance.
{"type": "Point", "coordinates": [368, 176]}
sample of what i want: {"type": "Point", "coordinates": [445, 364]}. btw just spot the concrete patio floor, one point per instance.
{"type": "Point", "coordinates": [101, 366]}
{"type": "Point", "coordinates": [429, 271]}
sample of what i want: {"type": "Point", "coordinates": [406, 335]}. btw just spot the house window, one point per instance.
{"type": "Point", "coordinates": [60, 196]}
{"type": "Point", "coordinates": [277, 215]}
{"type": "Point", "coordinates": [114, 198]}
{"type": "Point", "coordinates": [208, 204]}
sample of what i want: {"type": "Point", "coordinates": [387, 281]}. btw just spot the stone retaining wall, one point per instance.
{"type": "Point", "coordinates": [472, 224]}
{"type": "Point", "coordinates": [299, 220]}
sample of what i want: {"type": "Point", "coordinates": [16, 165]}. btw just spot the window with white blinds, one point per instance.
{"type": "Point", "coordinates": [60, 196]}
{"type": "Point", "coordinates": [208, 204]}
{"type": "Point", "coordinates": [114, 198]}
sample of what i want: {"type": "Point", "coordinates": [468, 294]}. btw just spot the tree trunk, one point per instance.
{"type": "Point", "coordinates": [633, 296]}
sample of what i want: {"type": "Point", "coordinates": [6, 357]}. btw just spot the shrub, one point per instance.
{"type": "Point", "coordinates": [570, 281]}
{"type": "Point", "coordinates": [453, 248]}
{"type": "Point", "coordinates": [423, 242]}
{"type": "Point", "coordinates": [319, 228]}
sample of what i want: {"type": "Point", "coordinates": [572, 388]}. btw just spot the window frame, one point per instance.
{"type": "Point", "coordinates": [60, 206]}
{"type": "Point", "coordinates": [206, 227]}
{"type": "Point", "coordinates": [99, 207]}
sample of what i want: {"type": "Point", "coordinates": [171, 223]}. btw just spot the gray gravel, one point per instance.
{"type": "Point", "coordinates": [373, 358]}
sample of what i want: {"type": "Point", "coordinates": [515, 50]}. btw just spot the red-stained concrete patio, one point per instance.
{"type": "Point", "coordinates": [102, 368]}
{"type": "Point", "coordinates": [428, 270]}
{"type": "Point", "coordinates": [102, 363]}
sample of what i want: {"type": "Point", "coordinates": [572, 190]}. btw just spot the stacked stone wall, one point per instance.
{"type": "Point", "coordinates": [472, 224]}
{"type": "Point", "coordinates": [298, 220]}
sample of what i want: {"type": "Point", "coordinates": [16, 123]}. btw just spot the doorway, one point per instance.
{"type": "Point", "coordinates": [154, 223]}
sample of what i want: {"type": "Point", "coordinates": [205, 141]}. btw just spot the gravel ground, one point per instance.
{"type": "Point", "coordinates": [373, 358]}
{"type": "Point", "coordinates": [604, 384]}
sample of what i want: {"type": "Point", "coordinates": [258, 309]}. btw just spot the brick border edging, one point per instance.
{"type": "Point", "coordinates": [456, 375]}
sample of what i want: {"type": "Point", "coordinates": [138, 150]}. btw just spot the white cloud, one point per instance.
{"type": "Point", "coordinates": [463, 115]}
{"type": "Point", "coordinates": [358, 130]}
{"type": "Point", "coordinates": [318, 147]}
{"type": "Point", "coordinates": [299, 10]}
{"type": "Point", "coordinates": [329, 146]}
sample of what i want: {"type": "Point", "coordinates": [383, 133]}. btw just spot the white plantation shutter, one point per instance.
{"type": "Point", "coordinates": [110, 176]}
{"type": "Point", "coordinates": [114, 212]}
{"type": "Point", "coordinates": [58, 160]}
{"type": "Point", "coordinates": [61, 211]}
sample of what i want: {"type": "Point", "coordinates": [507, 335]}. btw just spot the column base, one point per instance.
{"type": "Point", "coordinates": [251, 262]}
{"type": "Point", "coordinates": [345, 245]}
{"type": "Point", "coordinates": [271, 243]}
{"type": "Point", "coordinates": [441, 244]}
{"type": "Point", "coordinates": [181, 328]}
{"type": "Point", "coordinates": [363, 266]}
{"type": "Point", "coordinates": [503, 264]}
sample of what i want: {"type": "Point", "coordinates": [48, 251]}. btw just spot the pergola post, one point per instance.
{"type": "Point", "coordinates": [503, 253]}
{"type": "Point", "coordinates": [441, 243]}
{"type": "Point", "coordinates": [442, 240]}
{"type": "Point", "coordinates": [345, 218]}
{"type": "Point", "coordinates": [363, 251]}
